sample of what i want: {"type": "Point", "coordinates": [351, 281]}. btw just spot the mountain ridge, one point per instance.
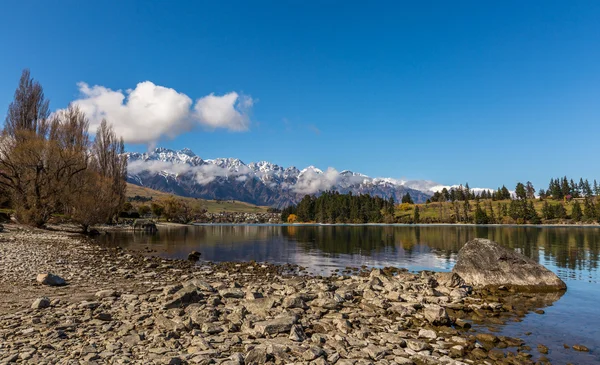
{"type": "Point", "coordinates": [184, 173]}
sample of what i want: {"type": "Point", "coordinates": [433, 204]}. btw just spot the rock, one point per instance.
{"type": "Point", "coordinates": [312, 353]}
{"type": "Point", "coordinates": [436, 315]}
{"type": "Point", "coordinates": [483, 263]}
{"type": "Point", "coordinates": [194, 256]}
{"type": "Point", "coordinates": [427, 334]}
{"type": "Point", "coordinates": [580, 348]}
{"type": "Point", "coordinates": [449, 279]}
{"type": "Point", "coordinates": [273, 326]}
{"type": "Point", "coordinates": [50, 280]}
{"type": "Point", "coordinates": [417, 345]}
{"type": "Point", "coordinates": [106, 293]}
{"type": "Point", "coordinates": [257, 356]}
{"type": "Point", "coordinates": [375, 352]}
{"type": "Point", "coordinates": [184, 296]}
{"type": "Point", "coordinates": [103, 317]}
{"type": "Point", "coordinates": [457, 351]}
{"type": "Point", "coordinates": [542, 349]}
{"type": "Point", "coordinates": [145, 225]}
{"type": "Point", "coordinates": [232, 293]}
{"type": "Point", "coordinates": [294, 302]}
{"type": "Point", "coordinates": [41, 303]}
{"type": "Point", "coordinates": [297, 333]}
{"type": "Point", "coordinates": [486, 337]}
{"type": "Point", "coordinates": [403, 361]}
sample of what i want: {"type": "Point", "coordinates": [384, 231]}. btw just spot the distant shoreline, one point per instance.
{"type": "Point", "coordinates": [597, 225]}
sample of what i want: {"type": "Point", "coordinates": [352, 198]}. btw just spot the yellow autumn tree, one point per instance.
{"type": "Point", "coordinates": [292, 218]}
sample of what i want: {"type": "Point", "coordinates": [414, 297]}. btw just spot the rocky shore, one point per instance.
{"type": "Point", "coordinates": [121, 307]}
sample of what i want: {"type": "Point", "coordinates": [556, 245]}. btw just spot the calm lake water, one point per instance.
{"type": "Point", "coordinates": [571, 252]}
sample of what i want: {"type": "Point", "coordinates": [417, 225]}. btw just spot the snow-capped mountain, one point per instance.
{"type": "Point", "coordinates": [262, 183]}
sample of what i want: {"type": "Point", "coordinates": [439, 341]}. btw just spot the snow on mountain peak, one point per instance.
{"type": "Point", "coordinates": [184, 166]}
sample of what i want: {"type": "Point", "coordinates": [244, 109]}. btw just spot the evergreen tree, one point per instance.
{"type": "Point", "coordinates": [407, 199]}
{"type": "Point", "coordinates": [391, 205]}
{"type": "Point", "coordinates": [587, 189]}
{"type": "Point", "coordinates": [492, 216]}
{"type": "Point", "coordinates": [560, 211]}
{"type": "Point", "coordinates": [576, 213]}
{"type": "Point", "coordinates": [480, 216]}
{"type": "Point", "coordinates": [547, 211]}
{"type": "Point", "coordinates": [446, 194]}
{"type": "Point", "coordinates": [505, 194]}
{"type": "Point", "coordinates": [542, 194]}
{"type": "Point", "coordinates": [596, 188]}
{"type": "Point", "coordinates": [417, 215]}
{"type": "Point", "coordinates": [565, 187]}
{"type": "Point", "coordinates": [530, 190]}
{"type": "Point", "coordinates": [520, 192]}
{"type": "Point", "coordinates": [589, 209]}
{"type": "Point", "coordinates": [532, 215]}
{"type": "Point", "coordinates": [466, 209]}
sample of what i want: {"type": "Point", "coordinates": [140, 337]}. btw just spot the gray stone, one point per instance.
{"type": "Point", "coordinates": [436, 315]}
{"type": "Point", "coordinates": [294, 302]}
{"type": "Point", "coordinates": [257, 356]}
{"type": "Point", "coordinates": [41, 303]}
{"type": "Point", "coordinates": [427, 334]}
{"type": "Point", "coordinates": [482, 263]}
{"type": "Point", "coordinates": [103, 317]}
{"type": "Point", "coordinates": [312, 353]}
{"type": "Point", "coordinates": [50, 279]}
{"type": "Point", "coordinates": [417, 345]}
{"type": "Point", "coordinates": [106, 293]}
{"type": "Point", "coordinates": [273, 326]}
{"type": "Point", "coordinates": [375, 352]}
{"type": "Point", "coordinates": [232, 293]}
{"type": "Point", "coordinates": [297, 333]}
{"type": "Point", "coordinates": [183, 297]}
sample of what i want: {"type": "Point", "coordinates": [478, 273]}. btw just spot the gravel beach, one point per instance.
{"type": "Point", "coordinates": [122, 307]}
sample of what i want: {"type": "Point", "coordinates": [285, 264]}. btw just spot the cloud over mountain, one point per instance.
{"type": "Point", "coordinates": [262, 183]}
{"type": "Point", "coordinates": [150, 113]}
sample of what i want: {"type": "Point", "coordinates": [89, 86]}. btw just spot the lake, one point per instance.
{"type": "Point", "coordinates": [571, 252]}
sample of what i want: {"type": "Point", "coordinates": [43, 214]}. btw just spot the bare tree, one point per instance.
{"type": "Point", "coordinates": [46, 165]}
{"type": "Point", "coordinates": [38, 156]}
{"type": "Point", "coordinates": [111, 164]}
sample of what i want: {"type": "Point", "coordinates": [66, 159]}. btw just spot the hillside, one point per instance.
{"type": "Point", "coordinates": [212, 206]}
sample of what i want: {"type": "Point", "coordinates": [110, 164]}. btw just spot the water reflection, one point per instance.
{"type": "Point", "coordinates": [572, 252]}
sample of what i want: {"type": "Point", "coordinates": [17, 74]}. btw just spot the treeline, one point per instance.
{"type": "Point", "coordinates": [580, 197]}
{"type": "Point", "coordinates": [465, 193]}
{"type": "Point", "coordinates": [561, 188]}
{"type": "Point", "coordinates": [49, 166]}
{"type": "Point", "coordinates": [333, 207]}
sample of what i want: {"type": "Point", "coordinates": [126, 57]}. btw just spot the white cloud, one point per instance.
{"type": "Point", "coordinates": [151, 112]}
{"type": "Point", "coordinates": [228, 111]}
{"type": "Point", "coordinates": [312, 180]}
{"type": "Point", "coordinates": [203, 174]}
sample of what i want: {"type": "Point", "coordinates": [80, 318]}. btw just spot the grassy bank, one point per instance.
{"type": "Point", "coordinates": [446, 212]}
{"type": "Point", "coordinates": [212, 206]}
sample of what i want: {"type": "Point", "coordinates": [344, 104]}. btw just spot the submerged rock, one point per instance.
{"type": "Point", "coordinates": [483, 263]}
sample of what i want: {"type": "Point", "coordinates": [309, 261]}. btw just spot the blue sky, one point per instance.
{"type": "Point", "coordinates": [486, 92]}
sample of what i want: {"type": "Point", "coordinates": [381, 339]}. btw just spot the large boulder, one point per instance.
{"type": "Point", "coordinates": [484, 263]}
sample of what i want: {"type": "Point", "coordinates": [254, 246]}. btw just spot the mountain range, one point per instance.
{"type": "Point", "coordinates": [262, 183]}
